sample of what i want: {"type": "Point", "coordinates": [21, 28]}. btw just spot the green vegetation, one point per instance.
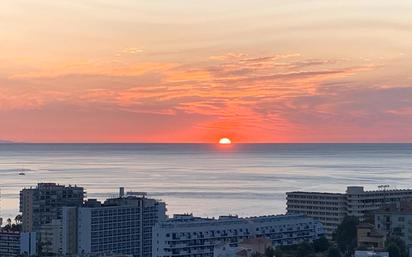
{"type": "Point", "coordinates": [317, 248]}
{"type": "Point", "coordinates": [15, 227]}
{"type": "Point", "coordinates": [346, 235]}
{"type": "Point", "coordinates": [320, 245]}
{"type": "Point", "coordinates": [334, 252]}
{"type": "Point", "coordinates": [396, 247]}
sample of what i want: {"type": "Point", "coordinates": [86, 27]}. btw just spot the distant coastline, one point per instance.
{"type": "Point", "coordinates": [6, 142]}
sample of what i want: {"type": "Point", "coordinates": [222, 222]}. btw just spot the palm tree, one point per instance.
{"type": "Point", "coordinates": [18, 219]}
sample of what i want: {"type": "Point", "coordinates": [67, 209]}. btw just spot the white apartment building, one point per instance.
{"type": "Point", "coordinates": [331, 208]}
{"type": "Point", "coordinates": [188, 236]}
{"type": "Point", "coordinates": [120, 225]}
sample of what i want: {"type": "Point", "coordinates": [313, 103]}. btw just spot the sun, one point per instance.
{"type": "Point", "coordinates": [225, 141]}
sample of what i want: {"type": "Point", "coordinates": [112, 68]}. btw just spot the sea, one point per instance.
{"type": "Point", "coordinates": [204, 179]}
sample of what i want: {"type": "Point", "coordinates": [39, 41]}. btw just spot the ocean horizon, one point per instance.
{"type": "Point", "coordinates": [246, 179]}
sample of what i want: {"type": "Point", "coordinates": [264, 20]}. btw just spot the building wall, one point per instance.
{"type": "Point", "coordinates": [84, 236]}
{"type": "Point", "coordinates": [125, 228]}
{"type": "Point", "coordinates": [369, 237]}
{"type": "Point", "coordinates": [9, 244]}
{"type": "Point", "coordinates": [28, 243]}
{"type": "Point", "coordinates": [395, 223]}
{"type": "Point", "coordinates": [328, 208]}
{"type": "Point", "coordinates": [43, 204]}
{"type": "Point", "coordinates": [51, 237]}
{"type": "Point", "coordinates": [26, 208]}
{"type": "Point", "coordinates": [69, 230]}
{"type": "Point", "coordinates": [331, 208]}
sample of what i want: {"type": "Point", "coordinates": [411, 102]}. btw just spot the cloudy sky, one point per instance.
{"type": "Point", "coordinates": [194, 71]}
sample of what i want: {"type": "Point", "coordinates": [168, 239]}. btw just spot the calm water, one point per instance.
{"type": "Point", "coordinates": [207, 180]}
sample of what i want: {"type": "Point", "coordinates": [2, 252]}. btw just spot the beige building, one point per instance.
{"type": "Point", "coordinates": [368, 237]}
{"type": "Point", "coordinates": [246, 248]}
{"type": "Point", "coordinates": [331, 208]}
{"type": "Point", "coordinates": [42, 204]}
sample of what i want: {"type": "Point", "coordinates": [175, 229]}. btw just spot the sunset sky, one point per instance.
{"type": "Point", "coordinates": [196, 70]}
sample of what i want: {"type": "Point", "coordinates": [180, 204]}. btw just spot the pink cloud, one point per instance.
{"type": "Point", "coordinates": [282, 98]}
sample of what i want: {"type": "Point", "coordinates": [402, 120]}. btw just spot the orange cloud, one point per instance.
{"type": "Point", "coordinates": [250, 99]}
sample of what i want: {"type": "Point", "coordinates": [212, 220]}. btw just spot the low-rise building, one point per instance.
{"type": "Point", "coordinates": [9, 244]}
{"type": "Point", "coordinates": [15, 244]}
{"type": "Point", "coordinates": [331, 208]}
{"type": "Point", "coordinates": [369, 237]}
{"type": "Point", "coordinates": [396, 219]}
{"type": "Point", "coordinates": [186, 235]}
{"type": "Point", "coordinates": [246, 248]}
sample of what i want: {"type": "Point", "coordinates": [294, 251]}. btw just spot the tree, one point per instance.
{"type": "Point", "coordinates": [400, 245]}
{"type": "Point", "coordinates": [278, 252]}
{"type": "Point", "coordinates": [18, 219]}
{"type": "Point", "coordinates": [321, 244]}
{"type": "Point", "coordinates": [346, 234]}
{"type": "Point", "coordinates": [304, 250]}
{"type": "Point", "coordinates": [334, 252]}
{"type": "Point", "coordinates": [393, 250]}
{"type": "Point", "coordinates": [270, 252]}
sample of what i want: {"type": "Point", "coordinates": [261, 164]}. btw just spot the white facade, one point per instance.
{"type": "Point", "coordinates": [185, 235]}
{"type": "Point", "coordinates": [121, 225]}
{"type": "Point", "coordinates": [331, 208]}
{"type": "Point", "coordinates": [371, 254]}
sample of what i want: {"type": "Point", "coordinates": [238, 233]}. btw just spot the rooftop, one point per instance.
{"type": "Point", "coordinates": [188, 220]}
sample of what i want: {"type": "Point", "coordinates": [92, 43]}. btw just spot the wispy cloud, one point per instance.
{"type": "Point", "coordinates": [266, 98]}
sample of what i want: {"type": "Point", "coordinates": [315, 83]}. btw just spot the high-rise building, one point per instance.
{"type": "Point", "coordinates": [185, 235]}
{"type": "Point", "coordinates": [119, 225]}
{"type": "Point", "coordinates": [331, 208]}
{"type": "Point", "coordinates": [42, 204]}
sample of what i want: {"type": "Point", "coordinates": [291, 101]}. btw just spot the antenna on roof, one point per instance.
{"type": "Point", "coordinates": [384, 187]}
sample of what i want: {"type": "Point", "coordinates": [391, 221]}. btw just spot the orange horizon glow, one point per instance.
{"type": "Point", "coordinates": [193, 71]}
